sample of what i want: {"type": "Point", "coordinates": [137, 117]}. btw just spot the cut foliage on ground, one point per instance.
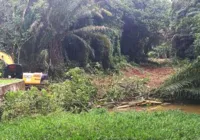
{"type": "Point", "coordinates": [151, 76]}
{"type": "Point", "coordinates": [133, 84]}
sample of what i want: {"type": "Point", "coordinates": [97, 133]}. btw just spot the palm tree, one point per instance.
{"type": "Point", "coordinates": [51, 22]}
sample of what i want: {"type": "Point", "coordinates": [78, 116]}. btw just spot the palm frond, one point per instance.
{"type": "Point", "coordinates": [106, 12]}
{"type": "Point", "coordinates": [92, 29]}
{"type": "Point", "coordinates": [183, 82]}
{"type": "Point", "coordinates": [192, 90]}
{"type": "Point", "coordinates": [85, 43]}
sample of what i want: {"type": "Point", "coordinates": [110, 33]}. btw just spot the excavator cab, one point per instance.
{"type": "Point", "coordinates": [13, 71]}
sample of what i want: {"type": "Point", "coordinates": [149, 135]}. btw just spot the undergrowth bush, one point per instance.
{"type": "Point", "coordinates": [75, 94]}
{"type": "Point", "coordinates": [120, 62]}
{"type": "Point", "coordinates": [162, 51]}
{"type": "Point", "coordinates": [26, 103]}
{"type": "Point", "coordinates": [176, 62]}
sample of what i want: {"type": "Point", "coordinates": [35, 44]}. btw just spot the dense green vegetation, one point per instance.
{"type": "Point", "coordinates": [47, 35]}
{"type": "Point", "coordinates": [86, 47]}
{"type": "Point", "coordinates": [185, 27]}
{"type": "Point", "coordinates": [74, 95]}
{"type": "Point", "coordinates": [77, 94]}
{"type": "Point", "coordinates": [185, 45]}
{"type": "Point", "coordinates": [99, 124]}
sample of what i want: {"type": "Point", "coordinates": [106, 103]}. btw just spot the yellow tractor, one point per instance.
{"type": "Point", "coordinates": [13, 70]}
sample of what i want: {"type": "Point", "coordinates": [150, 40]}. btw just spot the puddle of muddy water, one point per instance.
{"type": "Point", "coordinates": [185, 108]}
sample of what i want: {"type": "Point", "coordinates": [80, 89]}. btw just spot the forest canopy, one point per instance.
{"type": "Point", "coordinates": [82, 32]}
{"type": "Point", "coordinates": [44, 33]}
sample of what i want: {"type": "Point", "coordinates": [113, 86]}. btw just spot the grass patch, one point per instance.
{"type": "Point", "coordinates": [8, 81]}
{"type": "Point", "coordinates": [99, 124]}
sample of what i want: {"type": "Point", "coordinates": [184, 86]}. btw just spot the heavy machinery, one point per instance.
{"type": "Point", "coordinates": [13, 70]}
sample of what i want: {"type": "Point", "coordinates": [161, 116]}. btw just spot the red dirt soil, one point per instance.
{"type": "Point", "coordinates": [156, 75]}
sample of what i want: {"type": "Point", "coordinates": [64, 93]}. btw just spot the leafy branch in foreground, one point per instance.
{"type": "Point", "coordinates": [184, 84]}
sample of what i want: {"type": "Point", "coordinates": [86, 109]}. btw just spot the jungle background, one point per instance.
{"type": "Point", "coordinates": [102, 53]}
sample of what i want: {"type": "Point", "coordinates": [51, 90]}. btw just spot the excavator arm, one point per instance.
{"type": "Point", "coordinates": [6, 58]}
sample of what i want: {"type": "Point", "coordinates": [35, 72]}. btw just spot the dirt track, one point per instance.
{"type": "Point", "coordinates": [156, 75]}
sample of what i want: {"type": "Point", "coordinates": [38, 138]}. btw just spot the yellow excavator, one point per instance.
{"type": "Point", "coordinates": [13, 70]}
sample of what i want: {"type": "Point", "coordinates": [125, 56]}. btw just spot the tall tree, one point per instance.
{"type": "Point", "coordinates": [146, 22]}
{"type": "Point", "coordinates": [185, 27]}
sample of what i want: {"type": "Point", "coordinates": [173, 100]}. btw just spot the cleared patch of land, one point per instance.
{"type": "Point", "coordinates": [156, 75]}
